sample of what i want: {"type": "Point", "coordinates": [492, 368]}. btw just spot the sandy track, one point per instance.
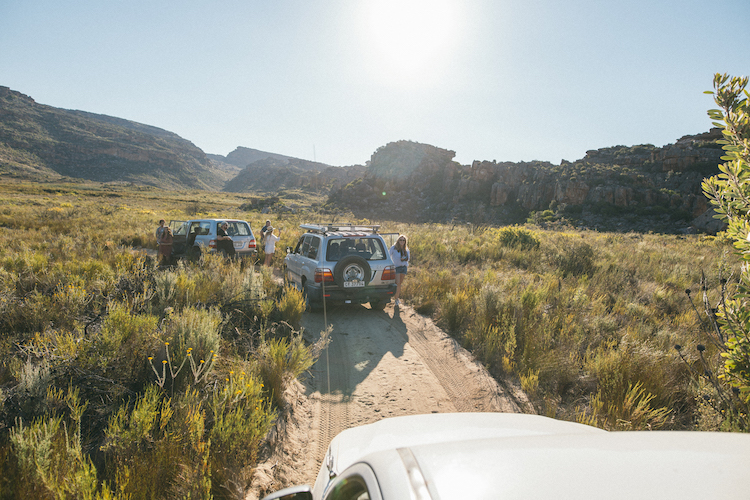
{"type": "Point", "coordinates": [379, 364]}
{"type": "Point", "coordinates": [390, 363]}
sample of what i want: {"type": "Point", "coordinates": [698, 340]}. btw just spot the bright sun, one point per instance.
{"type": "Point", "coordinates": [409, 36]}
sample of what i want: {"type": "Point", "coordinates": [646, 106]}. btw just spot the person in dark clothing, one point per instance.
{"type": "Point", "coordinates": [165, 246]}
{"type": "Point", "coordinates": [263, 231]}
{"type": "Point", "coordinates": [223, 241]}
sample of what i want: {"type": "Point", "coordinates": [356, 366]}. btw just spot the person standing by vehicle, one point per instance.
{"type": "Point", "coordinates": [165, 246]}
{"type": "Point", "coordinates": [263, 231]}
{"type": "Point", "coordinates": [270, 244]}
{"type": "Point", "coordinates": [160, 231]}
{"type": "Point", "coordinates": [223, 241]}
{"type": "Point", "coordinates": [400, 256]}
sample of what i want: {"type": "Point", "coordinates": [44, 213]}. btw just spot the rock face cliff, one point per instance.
{"type": "Point", "coordinates": [48, 141]}
{"type": "Point", "coordinates": [618, 188]}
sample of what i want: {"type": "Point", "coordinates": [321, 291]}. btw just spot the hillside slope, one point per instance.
{"type": "Point", "coordinates": [272, 174]}
{"type": "Point", "coordinates": [40, 141]}
{"type": "Point", "coordinates": [640, 188]}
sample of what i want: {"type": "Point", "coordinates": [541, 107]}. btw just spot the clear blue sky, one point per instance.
{"type": "Point", "coordinates": [333, 80]}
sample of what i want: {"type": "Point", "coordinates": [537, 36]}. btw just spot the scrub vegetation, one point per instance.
{"type": "Point", "coordinates": [123, 379]}
{"type": "Point", "coordinates": [587, 322]}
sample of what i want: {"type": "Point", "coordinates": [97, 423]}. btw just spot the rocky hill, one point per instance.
{"type": "Point", "coordinates": [43, 142]}
{"type": "Point", "coordinates": [272, 174]}
{"type": "Point", "coordinates": [261, 171]}
{"type": "Point", "coordinates": [641, 188]}
{"type": "Point", "coordinates": [242, 157]}
{"type": "Point", "coordinates": [619, 188]}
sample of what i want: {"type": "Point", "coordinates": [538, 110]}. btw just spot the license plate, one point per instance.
{"type": "Point", "coordinates": [354, 284]}
{"type": "Point", "coordinates": [238, 244]}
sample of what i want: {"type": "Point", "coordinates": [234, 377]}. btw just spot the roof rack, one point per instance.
{"type": "Point", "coordinates": [341, 227]}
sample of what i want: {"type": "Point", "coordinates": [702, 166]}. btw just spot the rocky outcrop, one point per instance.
{"type": "Point", "coordinates": [641, 184]}
{"type": "Point", "coordinates": [402, 159]}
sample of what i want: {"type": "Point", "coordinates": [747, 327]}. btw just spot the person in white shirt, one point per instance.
{"type": "Point", "coordinates": [400, 256]}
{"type": "Point", "coordinates": [270, 240]}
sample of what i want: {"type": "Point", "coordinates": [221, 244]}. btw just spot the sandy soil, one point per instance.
{"type": "Point", "coordinates": [379, 364]}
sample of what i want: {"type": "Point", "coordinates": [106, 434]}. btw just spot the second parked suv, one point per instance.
{"type": "Point", "coordinates": [342, 263]}
{"type": "Point", "coordinates": [194, 237]}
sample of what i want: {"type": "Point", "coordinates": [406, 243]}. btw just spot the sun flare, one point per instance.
{"type": "Point", "coordinates": [409, 36]}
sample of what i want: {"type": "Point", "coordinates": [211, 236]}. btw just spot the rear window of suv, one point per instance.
{"type": "Point", "coordinates": [367, 248]}
{"type": "Point", "coordinates": [238, 228]}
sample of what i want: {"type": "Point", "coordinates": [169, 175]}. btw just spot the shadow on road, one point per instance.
{"type": "Point", "coordinates": [360, 339]}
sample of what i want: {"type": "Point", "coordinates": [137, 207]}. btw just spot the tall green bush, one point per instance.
{"type": "Point", "coordinates": [729, 193]}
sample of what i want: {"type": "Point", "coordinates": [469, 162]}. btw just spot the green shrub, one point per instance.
{"type": "Point", "coordinates": [51, 462]}
{"type": "Point", "coordinates": [620, 366]}
{"type": "Point", "coordinates": [455, 310]}
{"type": "Point", "coordinates": [241, 419]}
{"type": "Point", "coordinates": [281, 361]}
{"type": "Point", "coordinates": [517, 237]}
{"type": "Point", "coordinates": [493, 333]}
{"type": "Point", "coordinates": [158, 448]}
{"type": "Point", "coordinates": [124, 343]}
{"type": "Point", "coordinates": [191, 343]}
{"type": "Point", "coordinates": [291, 306]}
{"type": "Point", "coordinates": [633, 412]}
{"type": "Point", "coordinates": [572, 256]}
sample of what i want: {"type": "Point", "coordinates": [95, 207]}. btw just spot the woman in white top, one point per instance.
{"type": "Point", "coordinates": [400, 256]}
{"type": "Point", "coordinates": [270, 244]}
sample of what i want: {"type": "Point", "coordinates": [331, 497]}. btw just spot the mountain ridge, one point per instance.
{"type": "Point", "coordinates": [36, 139]}
{"type": "Point", "coordinates": [417, 181]}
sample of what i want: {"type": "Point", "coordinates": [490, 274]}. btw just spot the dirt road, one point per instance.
{"type": "Point", "coordinates": [380, 364]}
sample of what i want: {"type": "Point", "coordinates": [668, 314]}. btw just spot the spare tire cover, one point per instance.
{"type": "Point", "coordinates": [352, 267]}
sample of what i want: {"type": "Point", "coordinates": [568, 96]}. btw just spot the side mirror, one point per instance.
{"type": "Point", "coordinates": [293, 493]}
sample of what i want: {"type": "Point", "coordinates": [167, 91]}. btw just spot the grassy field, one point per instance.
{"type": "Point", "coordinates": [587, 321]}
{"type": "Point", "coordinates": [119, 378]}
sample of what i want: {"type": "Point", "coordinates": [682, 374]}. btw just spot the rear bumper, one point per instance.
{"type": "Point", "coordinates": [247, 253]}
{"type": "Point", "coordinates": [183, 252]}
{"type": "Point", "coordinates": [355, 296]}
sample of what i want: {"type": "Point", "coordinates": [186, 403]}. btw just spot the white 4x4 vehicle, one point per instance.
{"type": "Point", "coordinates": [458, 456]}
{"type": "Point", "coordinates": [342, 263]}
{"type": "Point", "coordinates": [196, 236]}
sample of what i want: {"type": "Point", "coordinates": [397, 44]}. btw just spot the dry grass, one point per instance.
{"type": "Point", "coordinates": [108, 361]}
{"type": "Point", "coordinates": [587, 321]}
{"type": "Point", "coordinates": [127, 379]}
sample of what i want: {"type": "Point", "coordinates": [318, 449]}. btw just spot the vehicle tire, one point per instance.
{"type": "Point", "coordinates": [352, 267]}
{"type": "Point", "coordinates": [377, 305]}
{"type": "Point", "coordinates": [310, 306]}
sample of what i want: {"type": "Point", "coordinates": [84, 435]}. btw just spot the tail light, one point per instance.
{"type": "Point", "coordinates": [212, 244]}
{"type": "Point", "coordinates": [389, 273]}
{"type": "Point", "coordinates": [324, 275]}
{"type": "Point", "coordinates": [251, 244]}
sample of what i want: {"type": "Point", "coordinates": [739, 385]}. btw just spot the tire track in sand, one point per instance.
{"type": "Point", "coordinates": [333, 387]}
{"type": "Point", "coordinates": [390, 363]}
{"type": "Point", "coordinates": [470, 387]}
